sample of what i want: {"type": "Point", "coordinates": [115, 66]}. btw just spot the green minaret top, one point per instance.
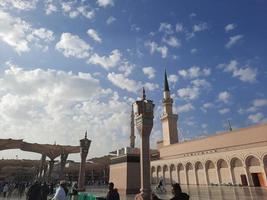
{"type": "Point", "coordinates": [166, 84]}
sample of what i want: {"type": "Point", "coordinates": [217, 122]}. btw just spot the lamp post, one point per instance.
{"type": "Point", "coordinates": [63, 158]}
{"type": "Point", "coordinates": [143, 113]}
{"type": "Point", "coordinates": [84, 148]}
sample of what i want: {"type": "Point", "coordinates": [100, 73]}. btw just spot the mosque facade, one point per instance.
{"type": "Point", "coordinates": [236, 157]}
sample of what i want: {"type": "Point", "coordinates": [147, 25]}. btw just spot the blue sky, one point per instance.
{"type": "Point", "coordinates": [71, 66]}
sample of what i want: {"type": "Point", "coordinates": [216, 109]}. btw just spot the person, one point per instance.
{"type": "Point", "coordinates": [44, 191]}
{"type": "Point", "coordinates": [154, 196]}
{"type": "Point", "coordinates": [60, 192]}
{"type": "Point", "coordinates": [21, 189]}
{"type": "Point", "coordinates": [5, 190]}
{"type": "Point", "coordinates": [74, 192]}
{"type": "Point", "coordinates": [160, 187]}
{"type": "Point", "coordinates": [177, 192]}
{"type": "Point", "coordinates": [112, 193]}
{"type": "Point", "coordinates": [34, 192]}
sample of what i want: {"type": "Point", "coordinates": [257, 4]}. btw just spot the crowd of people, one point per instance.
{"type": "Point", "coordinates": [44, 191]}
{"type": "Point", "coordinates": [32, 191]}
{"type": "Point", "coordinates": [13, 188]}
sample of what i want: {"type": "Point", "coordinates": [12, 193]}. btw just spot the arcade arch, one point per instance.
{"type": "Point", "coordinates": [153, 175]}
{"type": "Point", "coordinates": [173, 173]}
{"type": "Point", "coordinates": [190, 174]}
{"type": "Point", "coordinates": [181, 174]}
{"type": "Point", "coordinates": [211, 172]}
{"type": "Point", "coordinates": [166, 174]}
{"type": "Point", "coordinates": [159, 173]}
{"type": "Point", "coordinates": [238, 172]}
{"type": "Point", "coordinates": [223, 172]}
{"type": "Point", "coordinates": [255, 171]}
{"type": "Point", "coordinates": [200, 174]}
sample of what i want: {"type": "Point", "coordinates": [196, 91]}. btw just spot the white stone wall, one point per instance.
{"type": "Point", "coordinates": [214, 168]}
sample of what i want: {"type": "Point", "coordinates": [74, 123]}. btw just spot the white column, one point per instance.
{"type": "Point", "coordinates": [170, 175]}
{"type": "Point", "coordinates": [186, 176]}
{"type": "Point", "coordinates": [206, 175]}
{"type": "Point", "coordinates": [196, 175]}
{"type": "Point", "coordinates": [250, 183]}
{"type": "Point", "coordinates": [178, 175]}
{"type": "Point", "coordinates": [231, 174]}
{"type": "Point", "coordinates": [264, 173]}
{"type": "Point", "coordinates": [217, 174]}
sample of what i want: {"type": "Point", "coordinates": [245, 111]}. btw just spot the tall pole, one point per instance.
{"type": "Point", "coordinates": [132, 137]}
{"type": "Point", "coordinates": [63, 160]}
{"type": "Point", "coordinates": [143, 111]}
{"type": "Point", "coordinates": [42, 166]}
{"type": "Point", "coordinates": [84, 148]}
{"type": "Point", "coordinates": [51, 167]}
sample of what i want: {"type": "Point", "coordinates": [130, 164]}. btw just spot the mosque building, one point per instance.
{"type": "Point", "coordinates": [237, 157]}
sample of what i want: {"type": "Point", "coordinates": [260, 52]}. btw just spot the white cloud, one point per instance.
{"type": "Point", "coordinates": [106, 61]}
{"type": "Point", "coordinates": [224, 96]}
{"type": "Point", "coordinates": [179, 27]}
{"type": "Point", "coordinates": [224, 111]}
{"type": "Point", "coordinates": [135, 28]}
{"type": "Point", "coordinates": [201, 83]}
{"type": "Point", "coordinates": [245, 74]}
{"type": "Point", "coordinates": [172, 78]}
{"type": "Point", "coordinates": [192, 92]}
{"type": "Point", "coordinates": [200, 27]}
{"type": "Point", "coordinates": [204, 126]}
{"type": "Point", "coordinates": [192, 15]}
{"type": "Point", "coordinates": [256, 118]}
{"type": "Point", "coordinates": [206, 106]}
{"type": "Point", "coordinates": [229, 27]}
{"type": "Point", "coordinates": [151, 86]}
{"type": "Point", "coordinates": [41, 34]}
{"type": "Point", "coordinates": [154, 47]}
{"type": "Point", "coordinates": [260, 102]}
{"type": "Point", "coordinates": [37, 103]}
{"type": "Point", "coordinates": [105, 3]}
{"type": "Point", "coordinates": [185, 108]}
{"type": "Point", "coordinates": [193, 51]}
{"type": "Point", "coordinates": [233, 40]}
{"type": "Point", "coordinates": [19, 4]}
{"type": "Point", "coordinates": [110, 20]}
{"type": "Point", "coordinates": [126, 67]}
{"type": "Point", "coordinates": [149, 71]}
{"type": "Point", "coordinates": [72, 45]}
{"type": "Point", "coordinates": [74, 10]}
{"type": "Point", "coordinates": [165, 28]}
{"type": "Point", "coordinates": [256, 104]}
{"type": "Point", "coordinates": [172, 41]}
{"type": "Point", "coordinates": [20, 34]}
{"type": "Point", "coordinates": [189, 93]}
{"type": "Point", "coordinates": [94, 35]}
{"type": "Point", "coordinates": [123, 82]}
{"type": "Point", "coordinates": [49, 7]}
{"type": "Point", "coordinates": [194, 72]}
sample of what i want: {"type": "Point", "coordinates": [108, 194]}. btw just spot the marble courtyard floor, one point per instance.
{"type": "Point", "coordinates": [205, 193]}
{"type": "Point", "coordinates": [197, 193]}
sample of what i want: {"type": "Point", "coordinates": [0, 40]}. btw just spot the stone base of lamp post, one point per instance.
{"type": "Point", "coordinates": [125, 173]}
{"type": "Point", "coordinates": [143, 196]}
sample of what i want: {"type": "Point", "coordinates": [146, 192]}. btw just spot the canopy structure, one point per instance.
{"type": "Point", "coordinates": [51, 151]}
{"type": "Point", "coordinates": [10, 144]}
{"type": "Point", "coordinates": [46, 150]}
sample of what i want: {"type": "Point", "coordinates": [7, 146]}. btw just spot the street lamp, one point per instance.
{"type": "Point", "coordinates": [143, 114]}
{"type": "Point", "coordinates": [84, 148]}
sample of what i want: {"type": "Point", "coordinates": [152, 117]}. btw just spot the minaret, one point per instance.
{"type": "Point", "coordinates": [168, 119]}
{"type": "Point", "coordinates": [132, 137]}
